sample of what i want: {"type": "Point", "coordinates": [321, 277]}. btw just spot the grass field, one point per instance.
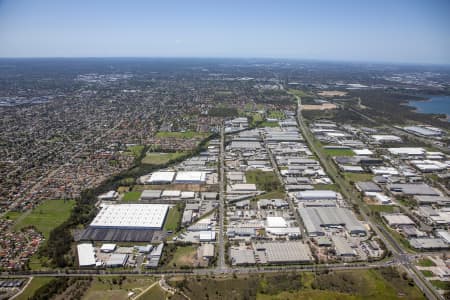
{"type": "Point", "coordinates": [157, 158]}
{"type": "Point", "coordinates": [105, 288]}
{"type": "Point", "coordinates": [173, 219]}
{"type": "Point", "coordinates": [35, 284]}
{"type": "Point", "coordinates": [131, 196]}
{"type": "Point", "coordinates": [442, 285]}
{"type": "Point", "coordinates": [379, 284]}
{"type": "Point", "coordinates": [46, 216]}
{"type": "Point", "coordinates": [426, 262]}
{"type": "Point", "coordinates": [135, 150]}
{"type": "Point", "coordinates": [12, 215]}
{"type": "Point", "coordinates": [155, 293]}
{"type": "Point", "coordinates": [181, 135]}
{"type": "Point", "coordinates": [339, 152]}
{"type": "Point", "coordinates": [266, 181]}
{"type": "Point", "coordinates": [382, 208]}
{"type": "Point", "coordinates": [269, 124]}
{"type": "Point", "coordinates": [276, 114]}
{"type": "Point", "coordinates": [427, 273]}
{"type": "Point", "coordinates": [299, 93]}
{"type": "Point", "coordinates": [355, 177]}
{"type": "Point", "coordinates": [183, 256]}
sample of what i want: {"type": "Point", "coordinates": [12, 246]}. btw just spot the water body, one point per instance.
{"type": "Point", "coordinates": [434, 105]}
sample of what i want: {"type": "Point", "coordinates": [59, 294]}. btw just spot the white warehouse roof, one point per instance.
{"type": "Point", "coordinates": [190, 176]}
{"type": "Point", "coordinates": [316, 195]}
{"type": "Point", "coordinates": [129, 216]}
{"type": "Point", "coordinates": [407, 151]}
{"type": "Point", "coordinates": [86, 255]}
{"type": "Point", "coordinates": [165, 176]}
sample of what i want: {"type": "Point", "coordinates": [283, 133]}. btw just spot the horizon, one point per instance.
{"type": "Point", "coordinates": [400, 32]}
{"type": "Point", "coordinates": [281, 59]}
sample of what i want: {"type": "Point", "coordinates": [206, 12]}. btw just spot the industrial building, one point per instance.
{"type": "Point", "coordinates": [283, 252]}
{"type": "Point", "coordinates": [316, 219]}
{"type": "Point", "coordinates": [317, 195]}
{"type": "Point", "coordinates": [149, 195]}
{"type": "Point", "coordinates": [131, 216]}
{"type": "Point", "coordinates": [191, 177]}
{"type": "Point", "coordinates": [86, 255]}
{"type": "Point", "coordinates": [398, 219]}
{"type": "Point", "coordinates": [162, 177]}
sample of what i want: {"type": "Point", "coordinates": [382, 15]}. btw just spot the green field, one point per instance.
{"type": "Point", "coordinates": [379, 284]}
{"type": "Point", "coordinates": [382, 208]}
{"type": "Point", "coordinates": [269, 124]}
{"type": "Point", "coordinates": [105, 288]}
{"type": "Point", "coordinates": [276, 114]}
{"type": "Point", "coordinates": [426, 262]}
{"type": "Point", "coordinates": [155, 293]}
{"type": "Point", "coordinates": [183, 257]}
{"type": "Point", "coordinates": [355, 177]}
{"type": "Point", "coordinates": [157, 158]}
{"type": "Point", "coordinates": [46, 216]}
{"type": "Point", "coordinates": [12, 215]}
{"type": "Point", "coordinates": [173, 219]}
{"type": "Point", "coordinates": [266, 181]}
{"type": "Point", "coordinates": [442, 285]}
{"type": "Point", "coordinates": [135, 150]}
{"type": "Point", "coordinates": [131, 196]}
{"type": "Point", "coordinates": [35, 284]}
{"type": "Point", "coordinates": [181, 135]}
{"type": "Point", "coordinates": [427, 273]}
{"type": "Point", "coordinates": [299, 93]}
{"type": "Point", "coordinates": [339, 152]}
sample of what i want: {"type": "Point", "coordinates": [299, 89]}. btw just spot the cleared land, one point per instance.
{"type": "Point", "coordinates": [46, 216]}
{"type": "Point", "coordinates": [358, 176]}
{"type": "Point", "coordinates": [266, 181]}
{"type": "Point", "coordinates": [380, 284]}
{"type": "Point", "coordinates": [34, 285]}
{"type": "Point", "coordinates": [158, 158]}
{"type": "Point", "coordinates": [339, 152]}
{"type": "Point", "coordinates": [117, 288]}
{"type": "Point", "coordinates": [135, 150]}
{"type": "Point", "coordinates": [173, 219]}
{"type": "Point", "coordinates": [131, 196]}
{"type": "Point", "coordinates": [155, 293]}
{"type": "Point", "coordinates": [184, 256]}
{"type": "Point", "coordinates": [426, 262]}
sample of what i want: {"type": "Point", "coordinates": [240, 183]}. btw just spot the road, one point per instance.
{"type": "Point", "coordinates": [291, 203]}
{"type": "Point", "coordinates": [221, 265]}
{"type": "Point", "coordinates": [397, 250]}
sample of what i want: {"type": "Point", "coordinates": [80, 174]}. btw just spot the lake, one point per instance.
{"type": "Point", "coordinates": [435, 105]}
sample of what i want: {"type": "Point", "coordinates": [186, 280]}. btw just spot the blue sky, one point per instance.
{"type": "Point", "coordinates": [416, 31]}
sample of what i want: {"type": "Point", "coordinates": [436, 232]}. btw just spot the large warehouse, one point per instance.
{"type": "Point", "coordinates": [317, 218]}
{"type": "Point", "coordinates": [191, 177]}
{"type": "Point", "coordinates": [131, 216]}
{"type": "Point", "coordinates": [162, 177]}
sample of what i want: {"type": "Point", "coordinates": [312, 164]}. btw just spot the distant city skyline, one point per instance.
{"type": "Point", "coordinates": [398, 31]}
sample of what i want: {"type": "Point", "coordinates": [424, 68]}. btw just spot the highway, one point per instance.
{"type": "Point", "coordinates": [400, 256]}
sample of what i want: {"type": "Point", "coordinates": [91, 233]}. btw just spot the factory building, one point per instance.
{"type": "Point", "coordinates": [316, 219]}
{"type": "Point", "coordinates": [131, 216]}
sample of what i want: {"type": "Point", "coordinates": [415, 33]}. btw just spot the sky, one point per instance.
{"type": "Point", "coordinates": [404, 31]}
